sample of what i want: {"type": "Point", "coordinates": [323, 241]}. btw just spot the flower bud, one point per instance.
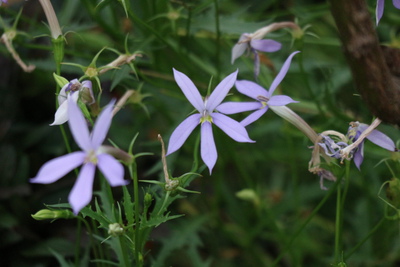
{"type": "Point", "coordinates": [393, 192]}
{"type": "Point", "coordinates": [115, 229]}
{"type": "Point", "coordinates": [47, 214]}
{"type": "Point", "coordinates": [248, 195]}
{"type": "Point", "coordinates": [148, 198]}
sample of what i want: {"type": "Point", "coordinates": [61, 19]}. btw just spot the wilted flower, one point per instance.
{"type": "Point", "coordinates": [93, 154]}
{"type": "Point", "coordinates": [76, 90]}
{"type": "Point", "coordinates": [206, 116]}
{"type": "Point", "coordinates": [264, 98]}
{"type": "Point", "coordinates": [380, 4]}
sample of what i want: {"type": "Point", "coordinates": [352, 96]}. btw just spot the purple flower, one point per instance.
{"type": "Point", "coordinates": [252, 42]}
{"type": "Point", "coordinates": [380, 4]}
{"type": "Point", "coordinates": [206, 116]}
{"type": "Point", "coordinates": [264, 98]}
{"type": "Point", "coordinates": [376, 137]}
{"type": "Point", "coordinates": [3, 1]}
{"type": "Point", "coordinates": [92, 155]}
{"type": "Point", "coordinates": [77, 91]}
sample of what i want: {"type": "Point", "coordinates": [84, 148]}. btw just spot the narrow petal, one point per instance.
{"type": "Point", "coordinates": [78, 126]}
{"type": "Point", "coordinates": [208, 149]}
{"type": "Point", "coordinates": [232, 128]}
{"type": "Point", "coordinates": [266, 45]}
{"type": "Point", "coordinates": [239, 48]}
{"type": "Point", "coordinates": [221, 91]}
{"type": "Point", "coordinates": [56, 168]}
{"type": "Point", "coordinates": [189, 90]}
{"type": "Point", "coordinates": [237, 107]}
{"type": "Point", "coordinates": [87, 92]}
{"type": "Point", "coordinates": [359, 156]}
{"type": "Point", "coordinates": [382, 140]}
{"type": "Point", "coordinates": [112, 170]}
{"type": "Point", "coordinates": [81, 193]}
{"type": "Point", "coordinates": [256, 64]}
{"type": "Point", "coordinates": [282, 73]}
{"type": "Point", "coordinates": [102, 125]}
{"type": "Point", "coordinates": [253, 116]}
{"type": "Point", "coordinates": [281, 100]}
{"type": "Point", "coordinates": [182, 132]}
{"type": "Point", "coordinates": [62, 95]}
{"type": "Point", "coordinates": [251, 89]}
{"type": "Point", "coordinates": [380, 4]}
{"type": "Point", "coordinates": [61, 115]}
{"type": "Point", "coordinates": [396, 4]}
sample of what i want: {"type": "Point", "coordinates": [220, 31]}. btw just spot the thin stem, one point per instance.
{"type": "Point", "coordinates": [338, 224]}
{"type": "Point", "coordinates": [133, 173]}
{"type": "Point", "coordinates": [78, 242]}
{"type": "Point", "coordinates": [218, 41]}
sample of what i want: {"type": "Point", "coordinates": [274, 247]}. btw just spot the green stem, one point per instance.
{"type": "Point", "coordinates": [338, 224]}
{"type": "Point", "coordinates": [133, 173]}
{"type": "Point", "coordinates": [218, 41]}
{"type": "Point", "coordinates": [313, 213]}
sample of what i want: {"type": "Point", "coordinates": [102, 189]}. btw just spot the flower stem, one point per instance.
{"type": "Point", "coordinates": [133, 173]}
{"type": "Point", "coordinates": [338, 224]}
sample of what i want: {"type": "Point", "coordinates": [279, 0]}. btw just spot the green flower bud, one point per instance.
{"type": "Point", "coordinates": [115, 229]}
{"type": "Point", "coordinates": [248, 195]}
{"type": "Point", "coordinates": [148, 198]}
{"type": "Point", "coordinates": [47, 214]}
{"type": "Point", "coordinates": [393, 192]}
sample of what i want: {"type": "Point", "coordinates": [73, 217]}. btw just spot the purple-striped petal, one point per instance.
{"type": "Point", "coordinates": [102, 125]}
{"type": "Point", "coordinates": [380, 4]}
{"type": "Point", "coordinates": [282, 73]}
{"type": "Point", "coordinates": [281, 100]}
{"type": "Point", "coordinates": [265, 45]}
{"type": "Point", "coordinates": [396, 4]}
{"type": "Point", "coordinates": [237, 107]}
{"type": "Point", "coordinates": [251, 89]}
{"type": "Point", "coordinates": [239, 48]}
{"type": "Point", "coordinates": [56, 168]}
{"type": "Point", "coordinates": [81, 193]}
{"type": "Point", "coordinates": [232, 128]}
{"type": "Point", "coordinates": [359, 156]}
{"type": "Point", "coordinates": [208, 149]}
{"type": "Point", "coordinates": [78, 126]}
{"type": "Point", "coordinates": [113, 170]}
{"type": "Point", "coordinates": [221, 91]}
{"type": "Point", "coordinates": [182, 132]}
{"type": "Point", "coordinates": [189, 90]}
{"type": "Point", "coordinates": [253, 116]}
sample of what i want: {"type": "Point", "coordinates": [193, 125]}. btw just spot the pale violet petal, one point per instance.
{"type": "Point", "coordinates": [208, 150]}
{"type": "Point", "coordinates": [382, 140]}
{"type": "Point", "coordinates": [265, 45]}
{"type": "Point", "coordinates": [239, 48]}
{"type": "Point", "coordinates": [253, 116]}
{"type": "Point", "coordinates": [237, 107]}
{"type": "Point", "coordinates": [61, 115]}
{"type": "Point", "coordinates": [56, 168]}
{"type": "Point", "coordinates": [396, 4]}
{"type": "Point", "coordinates": [380, 4]}
{"type": "Point", "coordinates": [232, 128]}
{"type": "Point", "coordinates": [81, 193]}
{"type": "Point", "coordinates": [282, 73]}
{"type": "Point", "coordinates": [78, 126]}
{"type": "Point", "coordinates": [182, 132]}
{"type": "Point", "coordinates": [189, 90]}
{"type": "Point", "coordinates": [251, 89]}
{"type": "Point", "coordinates": [102, 125]}
{"type": "Point", "coordinates": [359, 156]}
{"type": "Point", "coordinates": [221, 91]}
{"type": "Point", "coordinates": [112, 169]}
{"type": "Point", "coordinates": [281, 100]}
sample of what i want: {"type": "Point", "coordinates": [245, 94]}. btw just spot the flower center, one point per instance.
{"type": "Point", "coordinates": [264, 100]}
{"type": "Point", "coordinates": [91, 157]}
{"type": "Point", "coordinates": [206, 117]}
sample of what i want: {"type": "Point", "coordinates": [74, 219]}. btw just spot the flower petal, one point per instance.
{"type": "Point", "coordinates": [237, 107]}
{"type": "Point", "coordinates": [239, 48]}
{"type": "Point", "coordinates": [396, 4]}
{"type": "Point", "coordinates": [189, 90]}
{"type": "Point", "coordinates": [87, 92]}
{"type": "Point", "coordinates": [253, 116]}
{"type": "Point", "coordinates": [81, 193]}
{"type": "Point", "coordinates": [251, 89]}
{"type": "Point", "coordinates": [382, 140]}
{"type": "Point", "coordinates": [232, 128]}
{"type": "Point", "coordinates": [208, 149]}
{"type": "Point", "coordinates": [256, 64]}
{"type": "Point", "coordinates": [61, 115]}
{"type": "Point", "coordinates": [359, 156]}
{"type": "Point", "coordinates": [380, 4]}
{"type": "Point", "coordinates": [281, 100]}
{"type": "Point", "coordinates": [112, 170]}
{"type": "Point", "coordinates": [282, 73]}
{"type": "Point", "coordinates": [221, 91]}
{"type": "Point", "coordinates": [182, 132]}
{"type": "Point", "coordinates": [56, 168]}
{"type": "Point", "coordinates": [102, 125]}
{"type": "Point", "coordinates": [78, 126]}
{"type": "Point", "coordinates": [265, 45]}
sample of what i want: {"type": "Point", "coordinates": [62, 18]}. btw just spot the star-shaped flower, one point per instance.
{"type": "Point", "coordinates": [93, 154]}
{"type": "Point", "coordinates": [77, 91]}
{"type": "Point", "coordinates": [206, 116]}
{"type": "Point", "coordinates": [264, 98]}
{"type": "Point", "coordinates": [380, 5]}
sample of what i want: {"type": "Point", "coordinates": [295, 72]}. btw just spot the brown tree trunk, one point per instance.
{"type": "Point", "coordinates": [372, 76]}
